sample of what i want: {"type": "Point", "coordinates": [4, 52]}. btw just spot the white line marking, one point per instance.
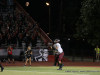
{"type": "Point", "coordinates": [45, 72]}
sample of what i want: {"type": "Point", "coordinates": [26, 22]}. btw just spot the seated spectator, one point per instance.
{"type": "Point", "coordinates": [0, 39]}
{"type": "Point", "coordinates": [20, 39]}
{"type": "Point", "coordinates": [8, 39]}
{"type": "Point", "coordinates": [27, 40]}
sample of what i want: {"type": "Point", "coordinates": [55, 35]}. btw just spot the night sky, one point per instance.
{"type": "Point", "coordinates": [40, 13]}
{"type": "Point", "coordinates": [69, 15]}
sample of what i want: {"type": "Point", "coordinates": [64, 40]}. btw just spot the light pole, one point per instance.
{"type": "Point", "coordinates": [48, 4]}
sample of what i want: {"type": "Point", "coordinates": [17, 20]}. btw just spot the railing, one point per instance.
{"type": "Point", "coordinates": [89, 54]}
{"type": "Point", "coordinates": [44, 36]}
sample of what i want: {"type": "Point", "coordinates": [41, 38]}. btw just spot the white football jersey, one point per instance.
{"type": "Point", "coordinates": [60, 50]}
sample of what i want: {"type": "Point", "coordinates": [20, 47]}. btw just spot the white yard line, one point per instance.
{"type": "Point", "coordinates": [45, 72]}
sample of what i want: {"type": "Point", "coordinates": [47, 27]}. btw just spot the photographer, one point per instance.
{"type": "Point", "coordinates": [9, 49]}
{"type": "Point", "coordinates": [59, 50]}
{"type": "Point", "coordinates": [28, 54]}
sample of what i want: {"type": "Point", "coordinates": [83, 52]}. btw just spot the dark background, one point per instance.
{"type": "Point", "coordinates": [68, 13]}
{"type": "Point", "coordinates": [63, 21]}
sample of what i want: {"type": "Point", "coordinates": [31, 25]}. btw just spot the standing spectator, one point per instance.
{"type": "Point", "coordinates": [0, 39]}
{"type": "Point", "coordinates": [97, 52]}
{"type": "Point", "coordinates": [9, 49]}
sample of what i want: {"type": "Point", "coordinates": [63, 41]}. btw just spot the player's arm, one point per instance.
{"type": "Point", "coordinates": [51, 47]}
{"type": "Point", "coordinates": [31, 52]}
{"type": "Point", "coordinates": [56, 47]}
{"type": "Point", "coordinates": [56, 51]}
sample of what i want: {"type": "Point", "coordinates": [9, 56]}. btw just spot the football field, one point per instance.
{"type": "Point", "coordinates": [50, 70]}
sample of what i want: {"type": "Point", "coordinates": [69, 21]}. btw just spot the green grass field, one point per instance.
{"type": "Point", "coordinates": [50, 71]}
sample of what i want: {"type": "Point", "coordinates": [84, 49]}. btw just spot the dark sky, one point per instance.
{"type": "Point", "coordinates": [37, 8]}
{"type": "Point", "coordinates": [40, 13]}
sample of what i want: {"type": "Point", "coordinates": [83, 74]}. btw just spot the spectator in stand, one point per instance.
{"type": "Point", "coordinates": [7, 17]}
{"type": "Point", "coordinates": [33, 40]}
{"type": "Point", "coordinates": [10, 3]}
{"type": "Point", "coordinates": [27, 17]}
{"type": "Point", "coordinates": [27, 40]}
{"type": "Point", "coordinates": [36, 27]}
{"type": "Point", "coordinates": [14, 17]}
{"type": "Point", "coordinates": [14, 37]}
{"type": "Point", "coordinates": [22, 16]}
{"type": "Point", "coordinates": [9, 49]}
{"type": "Point", "coordinates": [24, 32]}
{"type": "Point", "coordinates": [1, 17]}
{"type": "Point", "coordinates": [1, 23]}
{"type": "Point", "coordinates": [17, 16]}
{"type": "Point", "coordinates": [22, 26]}
{"type": "Point", "coordinates": [16, 31]}
{"type": "Point", "coordinates": [36, 36]}
{"type": "Point", "coordinates": [20, 39]}
{"type": "Point", "coordinates": [10, 17]}
{"type": "Point", "coordinates": [8, 39]}
{"type": "Point", "coordinates": [0, 39]}
{"type": "Point", "coordinates": [4, 37]}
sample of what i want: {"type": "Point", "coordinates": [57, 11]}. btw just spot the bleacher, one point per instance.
{"type": "Point", "coordinates": [19, 30]}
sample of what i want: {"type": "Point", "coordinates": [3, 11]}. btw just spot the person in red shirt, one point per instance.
{"type": "Point", "coordinates": [9, 49]}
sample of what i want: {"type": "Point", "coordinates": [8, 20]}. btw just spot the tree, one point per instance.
{"type": "Point", "coordinates": [88, 25]}
{"type": "Point", "coordinates": [70, 15]}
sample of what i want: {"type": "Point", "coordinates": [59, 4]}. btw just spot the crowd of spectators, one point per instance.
{"type": "Point", "coordinates": [16, 27]}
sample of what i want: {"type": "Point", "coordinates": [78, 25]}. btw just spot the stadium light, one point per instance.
{"type": "Point", "coordinates": [48, 4]}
